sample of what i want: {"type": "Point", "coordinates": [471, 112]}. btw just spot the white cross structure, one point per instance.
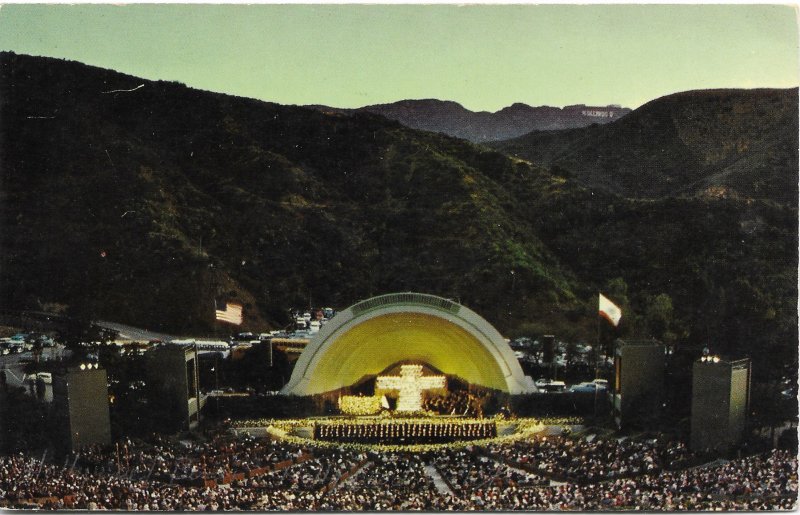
{"type": "Point", "coordinates": [409, 386]}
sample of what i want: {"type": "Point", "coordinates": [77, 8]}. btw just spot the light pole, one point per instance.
{"type": "Point", "coordinates": [215, 370]}
{"type": "Point", "coordinates": [216, 383]}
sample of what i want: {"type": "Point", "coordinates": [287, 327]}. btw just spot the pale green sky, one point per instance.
{"type": "Point", "coordinates": [485, 57]}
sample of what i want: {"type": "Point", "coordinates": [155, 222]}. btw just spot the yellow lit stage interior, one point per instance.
{"type": "Point", "coordinates": [378, 343]}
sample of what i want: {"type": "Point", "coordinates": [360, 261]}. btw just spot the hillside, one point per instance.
{"type": "Point", "coordinates": [194, 195]}
{"type": "Point", "coordinates": [140, 202]}
{"type": "Point", "coordinates": [455, 120]}
{"type": "Point", "coordinates": [718, 143]}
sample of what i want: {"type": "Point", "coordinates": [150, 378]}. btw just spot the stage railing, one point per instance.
{"type": "Point", "coordinates": [399, 433]}
{"type": "Point", "coordinates": [406, 298]}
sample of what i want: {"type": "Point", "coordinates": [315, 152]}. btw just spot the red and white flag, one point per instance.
{"type": "Point", "coordinates": [610, 311]}
{"type": "Point", "coordinates": [231, 313]}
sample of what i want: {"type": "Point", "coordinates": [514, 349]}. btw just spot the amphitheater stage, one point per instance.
{"type": "Point", "coordinates": [401, 433]}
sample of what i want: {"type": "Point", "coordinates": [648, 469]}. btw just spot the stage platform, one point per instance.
{"type": "Point", "coordinates": [408, 434]}
{"type": "Point", "coordinates": [399, 432]}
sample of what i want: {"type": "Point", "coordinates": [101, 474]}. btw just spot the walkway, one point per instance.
{"type": "Point", "coordinates": [438, 481]}
{"type": "Point", "coordinates": [351, 476]}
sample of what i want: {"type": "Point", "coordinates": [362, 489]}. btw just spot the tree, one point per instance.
{"type": "Point", "coordinates": [38, 345]}
{"type": "Point", "coordinates": [571, 353]}
{"type": "Point", "coordinates": [254, 370]}
{"type": "Point", "coordinates": [80, 330]}
{"type": "Point", "coordinates": [658, 318]}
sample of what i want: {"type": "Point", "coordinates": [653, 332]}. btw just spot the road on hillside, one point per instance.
{"type": "Point", "coordinates": [128, 332]}
{"type": "Point", "coordinates": [13, 365]}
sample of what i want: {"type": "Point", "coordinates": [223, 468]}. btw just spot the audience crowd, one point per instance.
{"type": "Point", "coordinates": [184, 461]}
{"type": "Point", "coordinates": [543, 473]}
{"type": "Point", "coordinates": [591, 459]}
{"type": "Point", "coordinates": [391, 481]}
{"type": "Point", "coordinates": [464, 470]}
{"type": "Point", "coordinates": [766, 482]}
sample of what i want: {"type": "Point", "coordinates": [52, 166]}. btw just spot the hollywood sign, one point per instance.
{"type": "Point", "coordinates": [594, 113]}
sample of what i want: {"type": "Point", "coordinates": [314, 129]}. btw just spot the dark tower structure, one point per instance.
{"type": "Point", "coordinates": [173, 383]}
{"type": "Point", "coordinates": [638, 387]}
{"type": "Point", "coordinates": [80, 396]}
{"type": "Point", "coordinates": [720, 399]}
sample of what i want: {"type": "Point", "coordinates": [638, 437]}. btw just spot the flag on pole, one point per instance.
{"type": "Point", "coordinates": [229, 312]}
{"type": "Point", "coordinates": [610, 311]}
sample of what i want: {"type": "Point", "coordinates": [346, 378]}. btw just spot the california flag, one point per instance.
{"type": "Point", "coordinates": [610, 311]}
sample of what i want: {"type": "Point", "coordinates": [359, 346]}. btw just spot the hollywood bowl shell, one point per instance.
{"type": "Point", "coordinates": [376, 333]}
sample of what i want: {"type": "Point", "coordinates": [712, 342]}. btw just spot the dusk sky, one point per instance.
{"type": "Point", "coordinates": [484, 57]}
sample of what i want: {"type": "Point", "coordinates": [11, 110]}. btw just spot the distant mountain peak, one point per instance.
{"type": "Point", "coordinates": [726, 141]}
{"type": "Point", "coordinates": [519, 107]}
{"type": "Point", "coordinates": [451, 118]}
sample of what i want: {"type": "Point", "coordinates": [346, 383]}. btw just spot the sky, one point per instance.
{"type": "Point", "coordinates": [483, 56]}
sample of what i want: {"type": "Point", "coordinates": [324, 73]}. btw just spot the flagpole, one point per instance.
{"type": "Point", "coordinates": [596, 353]}
{"type": "Point", "coordinates": [197, 381]}
{"type": "Point", "coordinates": [597, 329]}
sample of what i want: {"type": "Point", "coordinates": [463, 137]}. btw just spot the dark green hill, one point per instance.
{"type": "Point", "coordinates": [140, 202]}
{"type": "Point", "coordinates": [718, 143]}
{"type": "Point", "coordinates": [193, 194]}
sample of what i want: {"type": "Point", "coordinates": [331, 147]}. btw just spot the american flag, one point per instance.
{"type": "Point", "coordinates": [231, 313]}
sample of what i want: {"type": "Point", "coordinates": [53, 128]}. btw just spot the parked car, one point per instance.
{"type": "Point", "coordinates": [589, 387]}
{"type": "Point", "coordinates": [550, 386]}
{"type": "Point", "coordinates": [45, 377]}
{"type": "Point", "coordinates": [15, 346]}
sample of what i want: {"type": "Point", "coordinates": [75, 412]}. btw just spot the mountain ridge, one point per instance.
{"type": "Point", "coordinates": [451, 118]}
{"type": "Point", "coordinates": [717, 142]}
{"type": "Point", "coordinates": [145, 205]}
